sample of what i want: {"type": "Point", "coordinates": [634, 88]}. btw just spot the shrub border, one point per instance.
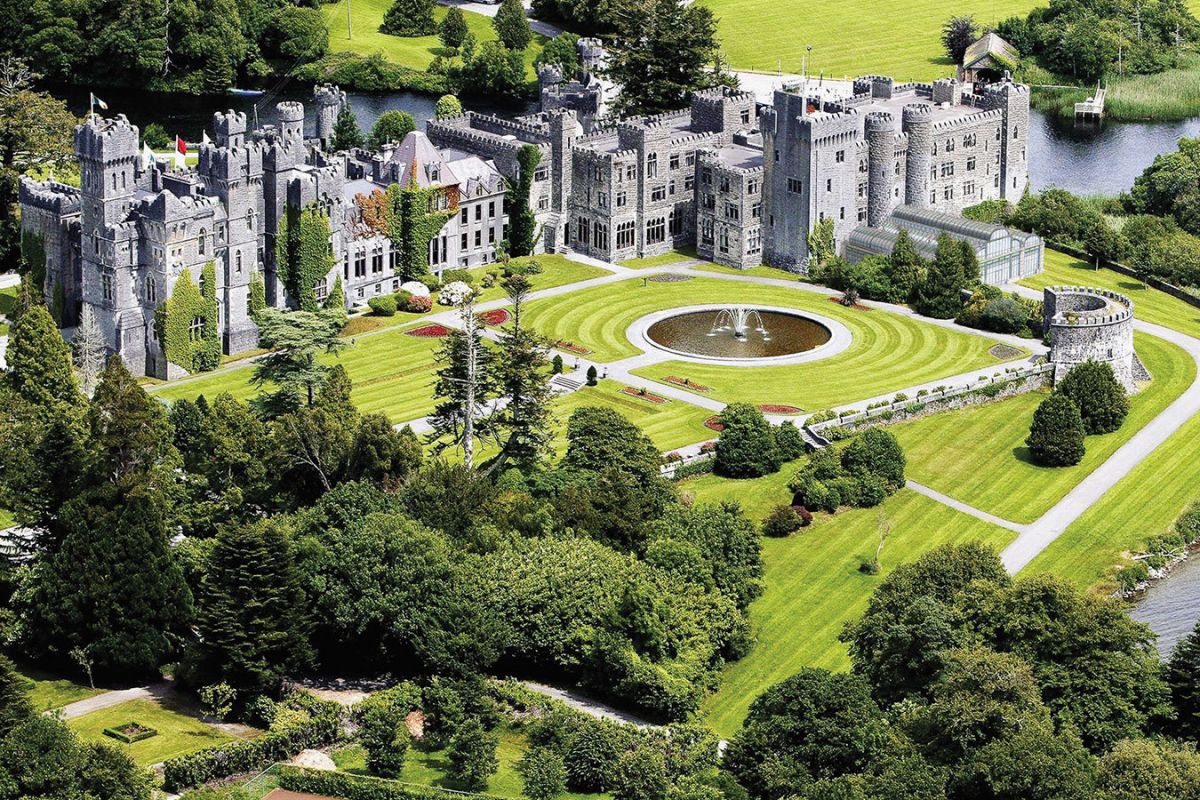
{"type": "Point", "coordinates": [115, 732]}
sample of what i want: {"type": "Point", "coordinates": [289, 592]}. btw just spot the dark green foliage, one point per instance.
{"type": "Point", "coordinates": [728, 552]}
{"type": "Point", "coordinates": [493, 71]}
{"type": "Point", "coordinates": [789, 441]}
{"type": "Point", "coordinates": [512, 28]}
{"type": "Point", "coordinates": [383, 306]}
{"type": "Point", "coordinates": [592, 376]}
{"type": "Point", "coordinates": [302, 253]}
{"type": "Point", "coordinates": [522, 230]}
{"type": "Point", "coordinates": [453, 28]}
{"type": "Point", "coordinates": [296, 34]}
{"type": "Point", "coordinates": [591, 757]}
{"type": "Point", "coordinates": [39, 362]}
{"type": "Point", "coordinates": [556, 364]}
{"type": "Point", "coordinates": [346, 133]}
{"type": "Point", "coordinates": [1183, 679]}
{"type": "Point", "coordinates": [1101, 400]}
{"type": "Point", "coordinates": [295, 339]}
{"type": "Point", "coordinates": [252, 617]}
{"type": "Point", "coordinates": [863, 474]}
{"type": "Point", "coordinates": [906, 267]}
{"type": "Point", "coordinates": [1056, 434]}
{"type": "Point", "coordinates": [875, 453]}
{"type": "Point", "coordinates": [662, 53]}
{"type": "Point", "coordinates": [41, 758]}
{"type": "Point", "coordinates": [130, 433]}
{"type": "Point", "coordinates": [641, 775]}
{"type": "Point", "coordinates": [746, 446]}
{"type": "Point", "coordinates": [783, 521]}
{"type": "Point", "coordinates": [392, 126]}
{"type": "Point", "coordinates": [543, 774]}
{"type": "Point", "coordinates": [867, 278]}
{"type": "Point", "coordinates": [1004, 315]}
{"type": "Point", "coordinates": [523, 376]}
{"type": "Point", "coordinates": [382, 730]}
{"type": "Point", "coordinates": [938, 294]}
{"type": "Point", "coordinates": [562, 52]}
{"type": "Point", "coordinates": [409, 18]}
{"type": "Point", "coordinates": [599, 438]}
{"type": "Point", "coordinates": [14, 702]}
{"type": "Point", "coordinates": [448, 105]}
{"type": "Point", "coordinates": [958, 33]}
{"type": "Point", "coordinates": [472, 755]}
{"type": "Point", "coordinates": [813, 725]}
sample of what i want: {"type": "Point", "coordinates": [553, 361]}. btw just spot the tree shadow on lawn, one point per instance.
{"type": "Point", "coordinates": [1023, 455]}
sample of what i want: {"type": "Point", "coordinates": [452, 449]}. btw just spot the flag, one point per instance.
{"type": "Point", "coordinates": [180, 146]}
{"type": "Point", "coordinates": [96, 101]}
{"type": "Point", "coordinates": [204, 140]}
{"type": "Point", "coordinates": [147, 156]}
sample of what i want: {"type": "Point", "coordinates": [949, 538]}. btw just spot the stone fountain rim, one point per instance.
{"type": "Point", "coordinates": [839, 336]}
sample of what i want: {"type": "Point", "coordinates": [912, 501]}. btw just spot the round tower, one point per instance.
{"type": "Point", "coordinates": [917, 121]}
{"type": "Point", "coordinates": [1086, 324]}
{"type": "Point", "coordinates": [290, 115]}
{"type": "Point", "coordinates": [881, 170]}
{"type": "Point", "coordinates": [330, 101]}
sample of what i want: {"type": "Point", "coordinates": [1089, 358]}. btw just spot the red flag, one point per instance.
{"type": "Point", "coordinates": [180, 146]}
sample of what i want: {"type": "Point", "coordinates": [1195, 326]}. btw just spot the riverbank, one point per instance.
{"type": "Point", "coordinates": [1168, 96]}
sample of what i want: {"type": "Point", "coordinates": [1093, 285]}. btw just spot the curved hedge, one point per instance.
{"type": "Point", "coordinates": [360, 787]}
{"type": "Point", "coordinates": [321, 727]}
{"type": "Point", "coordinates": [173, 322]}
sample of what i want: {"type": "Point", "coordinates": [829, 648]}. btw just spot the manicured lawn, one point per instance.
{"type": "Point", "coordinates": [48, 691]}
{"type": "Point", "coordinates": [890, 37]}
{"type": "Point", "coordinates": [978, 455]}
{"type": "Point", "coordinates": [557, 270]}
{"type": "Point", "coordinates": [673, 257]}
{"type": "Point", "coordinates": [1150, 305]}
{"type": "Point", "coordinates": [416, 51]}
{"type": "Point", "coordinates": [761, 271]}
{"type": "Point", "coordinates": [178, 733]}
{"type": "Point", "coordinates": [1142, 504]}
{"type": "Point", "coordinates": [8, 299]}
{"type": "Point", "coordinates": [428, 768]}
{"type": "Point", "coordinates": [813, 585]}
{"type": "Point", "coordinates": [669, 425]}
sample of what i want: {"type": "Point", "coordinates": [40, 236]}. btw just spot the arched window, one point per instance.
{"type": "Point", "coordinates": [237, 262]}
{"type": "Point", "coordinates": [250, 221]}
{"type": "Point", "coordinates": [200, 246]}
{"type": "Point", "coordinates": [196, 329]}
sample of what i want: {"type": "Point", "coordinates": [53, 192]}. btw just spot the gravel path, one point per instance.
{"type": "Point", "coordinates": [105, 700]}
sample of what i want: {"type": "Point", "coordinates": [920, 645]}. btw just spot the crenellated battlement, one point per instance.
{"type": "Point", "coordinates": [50, 196]}
{"type": "Point", "coordinates": [107, 139]}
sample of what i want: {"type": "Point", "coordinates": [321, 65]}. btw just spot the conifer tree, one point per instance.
{"type": "Point", "coordinates": [346, 134]}
{"type": "Point", "coordinates": [939, 293]}
{"type": "Point", "coordinates": [523, 376]}
{"type": "Point", "coordinates": [1056, 435]}
{"type": "Point", "coordinates": [39, 361]}
{"type": "Point", "coordinates": [335, 301]}
{"type": "Point", "coordinates": [14, 700]}
{"type": "Point", "coordinates": [252, 619]}
{"type": "Point", "coordinates": [1183, 678]}
{"type": "Point", "coordinates": [130, 433]}
{"type": "Point", "coordinates": [906, 266]}
{"type": "Point", "coordinates": [89, 350]}
{"type": "Point", "coordinates": [1101, 399]}
{"type": "Point", "coordinates": [409, 18]}
{"type": "Point", "coordinates": [512, 27]}
{"type": "Point", "coordinates": [453, 28]}
{"type": "Point", "coordinates": [296, 340]}
{"type": "Point", "coordinates": [472, 755]}
{"type": "Point", "coordinates": [465, 383]}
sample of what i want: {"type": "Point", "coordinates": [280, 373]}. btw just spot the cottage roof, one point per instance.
{"type": "Point", "coordinates": [990, 50]}
{"type": "Point", "coordinates": [417, 149]}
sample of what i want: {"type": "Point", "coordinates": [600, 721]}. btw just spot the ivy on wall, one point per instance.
{"type": "Point", "coordinates": [186, 324]}
{"type": "Point", "coordinates": [302, 253]}
{"type": "Point", "coordinates": [410, 216]}
{"type": "Point", "coordinates": [33, 258]}
{"type": "Point", "coordinates": [336, 299]}
{"type": "Point", "coordinates": [522, 226]}
{"type": "Point", "coordinates": [258, 294]}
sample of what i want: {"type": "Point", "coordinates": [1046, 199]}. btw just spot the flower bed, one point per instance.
{"type": "Point", "coordinates": [770, 408]}
{"type": "Point", "coordinates": [642, 394]}
{"type": "Point", "coordinates": [713, 423]}
{"type": "Point", "coordinates": [498, 316]}
{"type": "Point", "coordinates": [571, 347]}
{"type": "Point", "coordinates": [1003, 351]}
{"type": "Point", "coordinates": [429, 331]}
{"type": "Point", "coordinates": [856, 306]}
{"type": "Point", "coordinates": [670, 277]}
{"type": "Point", "coordinates": [685, 383]}
{"type": "Point", "coordinates": [130, 732]}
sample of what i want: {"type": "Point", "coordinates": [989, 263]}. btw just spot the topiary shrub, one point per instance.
{"type": "Point", "coordinates": [746, 446]}
{"type": "Point", "coordinates": [784, 520]}
{"type": "Point", "coordinates": [1056, 435]}
{"type": "Point", "coordinates": [383, 306]}
{"type": "Point", "coordinates": [1102, 402]}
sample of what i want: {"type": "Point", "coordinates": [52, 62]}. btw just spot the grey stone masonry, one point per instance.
{"type": "Point", "coordinates": [1087, 324]}
{"type": "Point", "coordinates": [729, 207]}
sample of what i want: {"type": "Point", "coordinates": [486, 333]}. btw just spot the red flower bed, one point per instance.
{"type": "Point", "coordinates": [571, 347]}
{"type": "Point", "coordinates": [713, 423]}
{"type": "Point", "coordinates": [642, 394]}
{"type": "Point", "coordinates": [856, 306]}
{"type": "Point", "coordinates": [429, 331]}
{"type": "Point", "coordinates": [775, 409]}
{"type": "Point", "coordinates": [496, 317]}
{"type": "Point", "coordinates": [685, 383]}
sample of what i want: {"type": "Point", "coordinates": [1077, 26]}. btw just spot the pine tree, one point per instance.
{"type": "Point", "coordinates": [465, 384]}
{"type": "Point", "coordinates": [939, 293]}
{"type": "Point", "coordinates": [39, 361]}
{"type": "Point", "coordinates": [335, 301]}
{"type": "Point", "coordinates": [523, 376]}
{"type": "Point", "coordinates": [409, 18]}
{"type": "Point", "coordinates": [1183, 678]}
{"type": "Point", "coordinates": [89, 350]}
{"type": "Point", "coordinates": [296, 339]}
{"type": "Point", "coordinates": [130, 433]}
{"type": "Point", "coordinates": [512, 27]}
{"type": "Point", "coordinates": [346, 135]}
{"type": "Point", "coordinates": [253, 615]}
{"type": "Point", "coordinates": [453, 28]}
{"type": "Point", "coordinates": [472, 755]}
{"type": "Point", "coordinates": [905, 267]}
{"type": "Point", "coordinates": [1056, 435]}
{"type": "Point", "coordinates": [113, 588]}
{"type": "Point", "coordinates": [1101, 399]}
{"type": "Point", "coordinates": [14, 700]}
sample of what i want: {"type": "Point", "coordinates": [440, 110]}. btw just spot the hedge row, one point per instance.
{"type": "Point", "coordinates": [359, 787]}
{"type": "Point", "coordinates": [117, 732]}
{"type": "Point", "coordinates": [320, 727]}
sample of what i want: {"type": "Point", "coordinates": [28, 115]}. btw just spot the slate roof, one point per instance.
{"type": "Point", "coordinates": [989, 46]}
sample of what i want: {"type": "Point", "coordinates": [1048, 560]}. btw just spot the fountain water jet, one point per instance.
{"type": "Point", "coordinates": [739, 319]}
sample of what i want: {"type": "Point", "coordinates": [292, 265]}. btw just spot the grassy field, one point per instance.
{"type": "Point", "coordinates": [669, 425]}
{"type": "Point", "coordinates": [409, 51]}
{"type": "Point", "coordinates": [48, 691]}
{"type": "Point", "coordinates": [978, 455]}
{"type": "Point", "coordinates": [813, 585]}
{"type": "Point", "coordinates": [429, 768]}
{"type": "Point", "coordinates": [900, 38]}
{"type": "Point", "coordinates": [672, 257]}
{"type": "Point", "coordinates": [178, 734]}
{"type": "Point", "coordinates": [1150, 305]}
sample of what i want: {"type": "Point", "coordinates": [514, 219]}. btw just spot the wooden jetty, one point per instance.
{"type": "Point", "coordinates": [1092, 109]}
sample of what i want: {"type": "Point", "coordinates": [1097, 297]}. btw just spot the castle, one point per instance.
{"type": "Point", "coordinates": [744, 183]}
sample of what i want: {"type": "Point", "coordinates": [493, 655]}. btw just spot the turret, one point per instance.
{"type": "Point", "coordinates": [290, 115]}
{"type": "Point", "coordinates": [108, 160]}
{"type": "Point", "coordinates": [881, 173]}
{"type": "Point", "coordinates": [917, 123]}
{"type": "Point", "coordinates": [229, 128]}
{"type": "Point", "coordinates": [330, 101]}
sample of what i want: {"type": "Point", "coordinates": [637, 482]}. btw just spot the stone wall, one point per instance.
{"type": "Point", "coordinates": [1087, 324]}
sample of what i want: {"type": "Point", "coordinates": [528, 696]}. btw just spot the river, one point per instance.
{"type": "Point", "coordinates": [1171, 607]}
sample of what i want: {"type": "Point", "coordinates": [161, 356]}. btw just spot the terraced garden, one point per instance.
{"type": "Point", "coordinates": [978, 455]}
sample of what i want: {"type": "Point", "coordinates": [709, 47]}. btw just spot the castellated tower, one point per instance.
{"type": "Point", "coordinates": [917, 122]}
{"type": "Point", "coordinates": [330, 101]}
{"type": "Point", "coordinates": [108, 161]}
{"type": "Point", "coordinates": [290, 115]}
{"type": "Point", "coordinates": [881, 150]}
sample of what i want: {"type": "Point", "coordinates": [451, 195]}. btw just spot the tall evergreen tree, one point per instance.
{"type": "Point", "coordinates": [14, 699]}
{"type": "Point", "coordinates": [466, 381]}
{"type": "Point", "coordinates": [905, 267]}
{"type": "Point", "coordinates": [523, 377]}
{"type": "Point", "coordinates": [1101, 399]}
{"type": "Point", "coordinates": [296, 340]}
{"type": "Point", "coordinates": [1183, 678]}
{"type": "Point", "coordinates": [253, 613]}
{"type": "Point", "coordinates": [512, 27]}
{"type": "Point", "coordinates": [346, 134]}
{"type": "Point", "coordinates": [409, 18]}
{"type": "Point", "coordinates": [113, 588]}
{"type": "Point", "coordinates": [939, 293]}
{"type": "Point", "coordinates": [130, 433]}
{"type": "Point", "coordinates": [89, 350]}
{"type": "Point", "coordinates": [662, 53]}
{"type": "Point", "coordinates": [39, 362]}
{"type": "Point", "coordinates": [472, 755]}
{"type": "Point", "coordinates": [1056, 435]}
{"type": "Point", "coordinates": [453, 28]}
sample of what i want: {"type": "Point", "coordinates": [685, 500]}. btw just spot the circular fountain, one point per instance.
{"type": "Point", "coordinates": [741, 334]}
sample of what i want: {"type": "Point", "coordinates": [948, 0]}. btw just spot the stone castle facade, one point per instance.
{"type": "Point", "coordinates": [742, 182]}
{"type": "Point", "coordinates": [1086, 324]}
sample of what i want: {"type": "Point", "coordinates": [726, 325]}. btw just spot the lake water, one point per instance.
{"type": "Point", "coordinates": [1172, 606]}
